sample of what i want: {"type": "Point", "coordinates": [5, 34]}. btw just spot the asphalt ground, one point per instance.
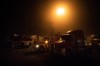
{"type": "Point", "coordinates": [27, 57]}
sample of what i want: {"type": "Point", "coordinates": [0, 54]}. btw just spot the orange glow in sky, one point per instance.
{"type": "Point", "coordinates": [60, 15]}
{"type": "Point", "coordinates": [60, 11]}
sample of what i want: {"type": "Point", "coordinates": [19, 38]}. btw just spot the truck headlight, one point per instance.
{"type": "Point", "coordinates": [46, 42]}
{"type": "Point", "coordinates": [37, 46]}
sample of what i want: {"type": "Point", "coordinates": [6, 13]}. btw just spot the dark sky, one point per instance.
{"type": "Point", "coordinates": [23, 16]}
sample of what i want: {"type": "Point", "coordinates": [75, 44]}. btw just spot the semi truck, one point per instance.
{"type": "Point", "coordinates": [70, 43]}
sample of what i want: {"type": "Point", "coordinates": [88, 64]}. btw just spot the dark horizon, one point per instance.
{"type": "Point", "coordinates": [23, 17]}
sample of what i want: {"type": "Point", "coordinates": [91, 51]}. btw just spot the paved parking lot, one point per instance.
{"type": "Point", "coordinates": [26, 57]}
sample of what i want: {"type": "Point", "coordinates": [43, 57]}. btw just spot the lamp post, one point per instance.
{"type": "Point", "coordinates": [60, 11]}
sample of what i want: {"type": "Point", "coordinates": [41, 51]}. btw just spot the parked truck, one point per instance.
{"type": "Point", "coordinates": [70, 43]}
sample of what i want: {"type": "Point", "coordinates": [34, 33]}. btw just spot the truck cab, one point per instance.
{"type": "Point", "coordinates": [72, 42]}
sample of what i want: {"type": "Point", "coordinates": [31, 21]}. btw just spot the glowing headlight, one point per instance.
{"type": "Point", "coordinates": [46, 42]}
{"type": "Point", "coordinates": [37, 46]}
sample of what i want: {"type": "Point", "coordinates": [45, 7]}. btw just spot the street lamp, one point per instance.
{"type": "Point", "coordinates": [60, 11]}
{"type": "Point", "coordinates": [58, 15]}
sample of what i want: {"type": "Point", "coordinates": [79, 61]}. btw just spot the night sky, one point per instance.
{"type": "Point", "coordinates": [23, 16]}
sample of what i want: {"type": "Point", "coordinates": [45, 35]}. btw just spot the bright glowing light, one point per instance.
{"type": "Point", "coordinates": [46, 42]}
{"type": "Point", "coordinates": [60, 11]}
{"type": "Point", "coordinates": [37, 46]}
{"type": "Point", "coordinates": [69, 31]}
{"type": "Point", "coordinates": [59, 15]}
